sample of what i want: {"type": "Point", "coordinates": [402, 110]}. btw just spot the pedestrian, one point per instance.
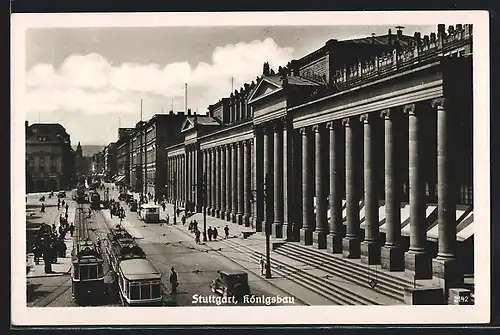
{"type": "Point", "coordinates": [67, 207]}
{"type": "Point", "coordinates": [53, 228]}
{"type": "Point", "coordinates": [226, 231]}
{"type": "Point", "coordinates": [195, 224]}
{"type": "Point", "coordinates": [66, 216]}
{"type": "Point", "coordinates": [215, 233]}
{"type": "Point", "coordinates": [209, 233]}
{"type": "Point", "coordinates": [190, 226]}
{"type": "Point", "coordinates": [90, 212]}
{"type": "Point", "coordinates": [164, 206]}
{"type": "Point", "coordinates": [173, 280]}
{"type": "Point", "coordinates": [197, 236]}
{"type": "Point", "coordinates": [71, 229]}
{"type": "Point", "coordinates": [63, 202]}
{"type": "Point", "coordinates": [262, 265]}
{"type": "Point", "coordinates": [58, 204]}
{"type": "Point", "coordinates": [168, 219]}
{"type": "Point", "coordinates": [47, 258]}
{"type": "Point", "coordinates": [43, 208]}
{"type": "Point", "coordinates": [37, 253]}
{"type": "Point", "coordinates": [183, 219]}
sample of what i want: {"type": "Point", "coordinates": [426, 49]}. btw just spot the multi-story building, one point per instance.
{"type": "Point", "coordinates": [110, 168]}
{"type": "Point", "coordinates": [122, 161]}
{"type": "Point", "coordinates": [49, 157]}
{"type": "Point", "coordinates": [363, 147]}
{"type": "Point", "coordinates": [97, 164]}
{"type": "Point", "coordinates": [146, 147]}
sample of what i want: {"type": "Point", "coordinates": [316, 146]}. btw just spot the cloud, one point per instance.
{"type": "Point", "coordinates": [92, 84]}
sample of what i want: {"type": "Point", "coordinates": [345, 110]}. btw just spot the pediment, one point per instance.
{"type": "Point", "coordinates": [187, 125]}
{"type": "Point", "coordinates": [264, 88]}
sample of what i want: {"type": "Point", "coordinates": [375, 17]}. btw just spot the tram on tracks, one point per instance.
{"type": "Point", "coordinates": [139, 282]}
{"type": "Point", "coordinates": [80, 196]}
{"type": "Point", "coordinates": [87, 273]}
{"type": "Point", "coordinates": [95, 200]}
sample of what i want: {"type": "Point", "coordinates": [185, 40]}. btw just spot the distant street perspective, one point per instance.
{"type": "Point", "coordinates": [341, 175]}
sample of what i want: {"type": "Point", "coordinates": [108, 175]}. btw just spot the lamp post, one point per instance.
{"type": "Point", "coordinates": [254, 198]}
{"type": "Point", "coordinates": [173, 183]}
{"type": "Point", "coordinates": [203, 189]}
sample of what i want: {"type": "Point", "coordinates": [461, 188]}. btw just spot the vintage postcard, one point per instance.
{"type": "Point", "coordinates": [250, 168]}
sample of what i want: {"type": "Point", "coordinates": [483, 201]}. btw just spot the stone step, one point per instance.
{"type": "Point", "coordinates": [317, 280]}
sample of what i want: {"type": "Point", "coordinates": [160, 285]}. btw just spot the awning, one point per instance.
{"type": "Point", "coordinates": [119, 179]}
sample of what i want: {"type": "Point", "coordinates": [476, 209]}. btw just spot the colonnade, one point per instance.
{"type": "Point", "coordinates": [292, 167]}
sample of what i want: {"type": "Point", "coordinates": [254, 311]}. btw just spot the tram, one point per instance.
{"type": "Point", "coordinates": [80, 196]}
{"type": "Point", "coordinates": [95, 200]}
{"type": "Point", "coordinates": [139, 282]}
{"type": "Point", "coordinates": [87, 273]}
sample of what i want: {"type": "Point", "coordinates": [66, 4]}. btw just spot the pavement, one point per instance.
{"type": "Point", "coordinates": [51, 215]}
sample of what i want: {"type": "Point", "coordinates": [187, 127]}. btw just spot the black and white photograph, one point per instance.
{"type": "Point", "coordinates": [250, 168]}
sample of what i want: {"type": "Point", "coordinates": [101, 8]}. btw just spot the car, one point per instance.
{"type": "Point", "coordinates": [61, 194]}
{"type": "Point", "coordinates": [231, 284]}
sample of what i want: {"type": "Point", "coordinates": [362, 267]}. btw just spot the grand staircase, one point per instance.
{"type": "Point", "coordinates": [342, 283]}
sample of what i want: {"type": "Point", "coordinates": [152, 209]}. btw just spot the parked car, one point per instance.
{"type": "Point", "coordinates": [231, 283]}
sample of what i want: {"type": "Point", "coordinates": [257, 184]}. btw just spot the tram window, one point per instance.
{"type": "Point", "coordinates": [134, 292]}
{"type": "Point", "coordinates": [155, 291]}
{"type": "Point", "coordinates": [76, 272]}
{"type": "Point", "coordinates": [93, 271]}
{"type": "Point", "coordinates": [84, 272]}
{"type": "Point", "coordinates": [145, 291]}
{"type": "Point", "coordinates": [99, 270]}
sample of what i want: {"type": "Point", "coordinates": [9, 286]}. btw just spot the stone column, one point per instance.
{"type": "Point", "coordinates": [392, 256]}
{"type": "Point", "coordinates": [218, 182]}
{"type": "Point", "coordinates": [208, 170]}
{"type": "Point", "coordinates": [321, 181]}
{"type": "Point", "coordinates": [286, 183]}
{"type": "Point", "coordinates": [234, 182]}
{"type": "Point", "coordinates": [306, 232]}
{"type": "Point", "coordinates": [241, 178]}
{"type": "Point", "coordinates": [223, 184]}
{"type": "Point", "coordinates": [196, 183]}
{"type": "Point", "coordinates": [213, 180]}
{"type": "Point", "coordinates": [417, 259]}
{"type": "Point", "coordinates": [277, 228]}
{"type": "Point", "coordinates": [247, 180]}
{"type": "Point", "coordinates": [370, 248]}
{"type": "Point", "coordinates": [205, 170]}
{"type": "Point", "coordinates": [187, 170]}
{"type": "Point", "coordinates": [258, 166]}
{"type": "Point", "coordinates": [351, 243]}
{"type": "Point", "coordinates": [268, 170]}
{"type": "Point", "coordinates": [446, 266]}
{"type": "Point", "coordinates": [228, 182]}
{"type": "Point", "coordinates": [334, 238]}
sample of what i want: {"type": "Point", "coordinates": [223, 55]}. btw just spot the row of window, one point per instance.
{"type": "Point", "coordinates": [141, 290]}
{"type": "Point", "coordinates": [88, 272]}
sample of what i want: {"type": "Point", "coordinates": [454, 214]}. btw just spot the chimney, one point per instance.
{"type": "Point", "coordinates": [265, 69]}
{"type": "Point", "coordinates": [399, 32]}
{"type": "Point", "coordinates": [189, 111]}
{"type": "Point", "coordinates": [171, 113]}
{"type": "Point", "coordinates": [294, 65]}
{"type": "Point", "coordinates": [389, 37]}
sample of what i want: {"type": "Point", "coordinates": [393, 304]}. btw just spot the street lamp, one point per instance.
{"type": "Point", "coordinates": [173, 183]}
{"type": "Point", "coordinates": [254, 198]}
{"type": "Point", "coordinates": [203, 189]}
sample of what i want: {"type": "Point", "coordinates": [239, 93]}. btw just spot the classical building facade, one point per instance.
{"type": "Point", "coordinates": [49, 157]}
{"type": "Point", "coordinates": [363, 147]}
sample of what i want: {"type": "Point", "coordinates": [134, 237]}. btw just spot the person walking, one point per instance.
{"type": "Point", "coordinates": [67, 207]}
{"type": "Point", "coordinates": [226, 232]}
{"type": "Point", "coordinates": [262, 265]}
{"type": "Point", "coordinates": [173, 280]}
{"type": "Point", "coordinates": [183, 219]}
{"type": "Point", "coordinates": [167, 219]}
{"type": "Point", "coordinates": [209, 233]}
{"type": "Point", "coordinates": [197, 234]}
{"type": "Point", "coordinates": [215, 233]}
{"type": "Point", "coordinates": [71, 229]}
{"type": "Point", "coordinates": [43, 208]}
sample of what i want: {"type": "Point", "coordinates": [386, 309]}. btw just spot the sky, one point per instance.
{"type": "Point", "coordinates": [92, 80]}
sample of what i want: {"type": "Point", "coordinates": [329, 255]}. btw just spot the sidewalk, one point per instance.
{"type": "Point", "coordinates": [63, 265]}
